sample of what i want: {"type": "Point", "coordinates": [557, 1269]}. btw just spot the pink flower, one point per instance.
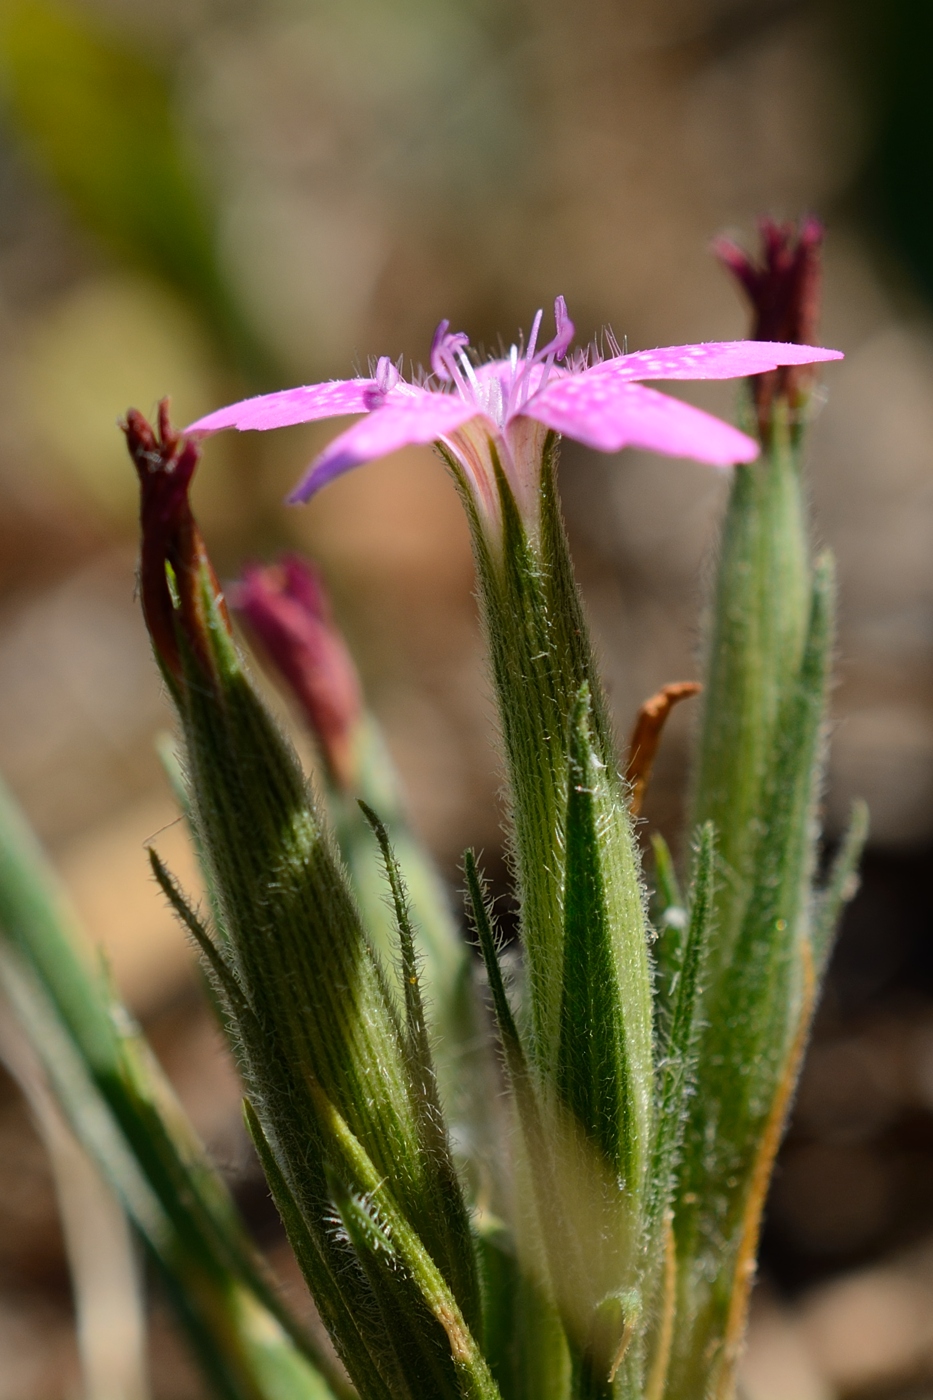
{"type": "Point", "coordinates": [506, 407]}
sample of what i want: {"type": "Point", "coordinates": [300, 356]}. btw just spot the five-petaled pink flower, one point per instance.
{"type": "Point", "coordinates": [506, 407]}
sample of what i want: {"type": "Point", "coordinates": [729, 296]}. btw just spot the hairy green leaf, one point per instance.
{"type": "Point", "coordinates": [756, 1016]}
{"type": "Point", "coordinates": [605, 1069]}
{"type": "Point", "coordinates": [449, 1239]}
{"type": "Point", "coordinates": [389, 1231]}
{"type": "Point", "coordinates": [757, 636]}
{"type": "Point", "coordinates": [123, 1112]}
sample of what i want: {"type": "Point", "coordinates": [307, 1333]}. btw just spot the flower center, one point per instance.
{"type": "Point", "coordinates": [503, 388]}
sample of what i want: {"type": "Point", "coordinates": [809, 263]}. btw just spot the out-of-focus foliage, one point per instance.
{"type": "Point", "coordinates": [892, 46]}
{"type": "Point", "coordinates": [99, 118]}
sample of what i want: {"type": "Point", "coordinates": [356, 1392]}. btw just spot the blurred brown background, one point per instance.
{"type": "Point", "coordinates": [210, 197]}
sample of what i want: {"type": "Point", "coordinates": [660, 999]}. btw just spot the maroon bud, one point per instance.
{"type": "Point", "coordinates": [287, 611]}
{"type": "Point", "coordinates": [784, 290]}
{"type": "Point", "coordinates": [165, 462]}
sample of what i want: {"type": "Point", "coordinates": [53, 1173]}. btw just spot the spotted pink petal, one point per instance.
{"type": "Point", "coordinates": [288, 406]}
{"type": "Point", "coordinates": [419, 417]}
{"type": "Point", "coordinates": [608, 413]}
{"type": "Point", "coordinates": [716, 359]}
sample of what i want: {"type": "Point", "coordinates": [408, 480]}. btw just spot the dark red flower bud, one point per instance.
{"type": "Point", "coordinates": [174, 564]}
{"type": "Point", "coordinates": [784, 289]}
{"type": "Point", "coordinates": [287, 610]}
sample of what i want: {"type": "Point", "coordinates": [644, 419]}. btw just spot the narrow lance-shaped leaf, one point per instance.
{"type": "Point", "coordinates": [540, 1363]}
{"type": "Point", "coordinates": [519, 1070]}
{"type": "Point", "coordinates": [605, 1064]}
{"type": "Point", "coordinates": [287, 613]}
{"type": "Point", "coordinates": [678, 1050]}
{"type": "Point", "coordinates": [423, 1360]}
{"type": "Point", "coordinates": [753, 1030]}
{"type": "Point", "coordinates": [670, 919]}
{"type": "Point", "coordinates": [112, 1093]}
{"type": "Point", "coordinates": [755, 648]}
{"type": "Point", "coordinates": [399, 1239]}
{"type": "Point", "coordinates": [840, 887]}
{"type": "Point", "coordinates": [449, 1241]}
{"type": "Point", "coordinates": [540, 654]}
{"type": "Point", "coordinates": [762, 599]}
{"type": "Point", "coordinates": [668, 893]}
{"type": "Point", "coordinates": [342, 1315]}
{"type": "Point", "coordinates": [677, 1056]}
{"type": "Point", "coordinates": [220, 973]}
{"type": "Point", "coordinates": [322, 1019]}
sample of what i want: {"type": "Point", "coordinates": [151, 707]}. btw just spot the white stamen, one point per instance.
{"type": "Point", "coordinates": [533, 339]}
{"type": "Point", "coordinates": [469, 372]}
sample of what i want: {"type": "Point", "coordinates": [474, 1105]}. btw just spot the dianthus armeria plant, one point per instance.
{"type": "Point", "coordinates": [575, 1216]}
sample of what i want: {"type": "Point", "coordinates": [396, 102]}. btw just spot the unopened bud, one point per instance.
{"type": "Point", "coordinates": [784, 289]}
{"type": "Point", "coordinates": [288, 613]}
{"type": "Point", "coordinates": [174, 564]}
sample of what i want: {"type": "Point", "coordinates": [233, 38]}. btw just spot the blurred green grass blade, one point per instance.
{"type": "Point", "coordinates": [76, 1091]}
{"type": "Point", "coordinates": [124, 1113]}
{"type": "Point", "coordinates": [36, 919]}
{"type": "Point", "coordinates": [98, 117]}
{"type": "Point", "coordinates": [103, 1259]}
{"type": "Point", "coordinates": [240, 1344]}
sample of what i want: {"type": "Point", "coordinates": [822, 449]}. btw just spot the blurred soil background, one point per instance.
{"type": "Point", "coordinates": [211, 197]}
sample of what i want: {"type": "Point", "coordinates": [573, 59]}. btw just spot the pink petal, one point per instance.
{"type": "Point", "coordinates": [288, 406]}
{"type": "Point", "coordinates": [717, 359]}
{"type": "Point", "coordinates": [419, 417]}
{"type": "Point", "coordinates": [607, 413]}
